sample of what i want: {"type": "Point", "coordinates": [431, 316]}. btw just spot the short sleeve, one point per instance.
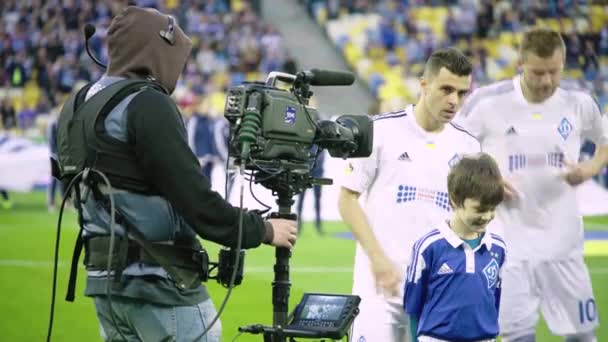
{"type": "Point", "coordinates": [358, 173]}
{"type": "Point", "coordinates": [594, 124]}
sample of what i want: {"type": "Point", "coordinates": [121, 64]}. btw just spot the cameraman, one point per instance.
{"type": "Point", "coordinates": [177, 202]}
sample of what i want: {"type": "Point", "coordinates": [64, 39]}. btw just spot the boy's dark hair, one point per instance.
{"type": "Point", "coordinates": [543, 42]}
{"type": "Point", "coordinates": [450, 58]}
{"type": "Point", "coordinates": [476, 177]}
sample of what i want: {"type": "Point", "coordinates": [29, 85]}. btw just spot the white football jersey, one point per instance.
{"type": "Point", "coordinates": [530, 143]}
{"type": "Point", "coordinates": [404, 182]}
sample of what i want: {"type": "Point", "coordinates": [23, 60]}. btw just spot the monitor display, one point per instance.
{"type": "Point", "coordinates": [323, 308]}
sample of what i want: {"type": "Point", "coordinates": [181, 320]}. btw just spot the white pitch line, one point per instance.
{"type": "Point", "coordinates": [248, 269]}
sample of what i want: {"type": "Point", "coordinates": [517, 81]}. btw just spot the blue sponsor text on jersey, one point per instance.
{"type": "Point", "coordinates": [522, 161]}
{"type": "Point", "coordinates": [408, 193]}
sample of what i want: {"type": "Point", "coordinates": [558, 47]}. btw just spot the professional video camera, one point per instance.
{"type": "Point", "coordinates": [277, 136]}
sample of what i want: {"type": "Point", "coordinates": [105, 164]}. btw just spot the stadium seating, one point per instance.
{"type": "Point", "coordinates": [391, 69]}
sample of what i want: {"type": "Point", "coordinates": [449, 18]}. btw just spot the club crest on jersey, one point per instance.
{"type": "Point", "coordinates": [491, 273]}
{"type": "Point", "coordinates": [454, 160]}
{"type": "Point", "coordinates": [565, 128]}
{"type": "Point", "coordinates": [361, 339]}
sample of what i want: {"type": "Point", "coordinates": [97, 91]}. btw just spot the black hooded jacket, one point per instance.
{"type": "Point", "coordinates": [138, 47]}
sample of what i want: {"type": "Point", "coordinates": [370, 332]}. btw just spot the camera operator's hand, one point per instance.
{"type": "Point", "coordinates": [284, 232]}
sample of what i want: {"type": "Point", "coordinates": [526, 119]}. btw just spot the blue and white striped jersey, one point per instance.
{"type": "Point", "coordinates": [452, 289]}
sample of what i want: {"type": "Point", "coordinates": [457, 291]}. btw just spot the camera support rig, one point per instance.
{"type": "Point", "coordinates": [275, 134]}
{"type": "Point", "coordinates": [289, 182]}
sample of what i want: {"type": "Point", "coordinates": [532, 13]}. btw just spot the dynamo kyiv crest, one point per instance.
{"type": "Point", "coordinates": [491, 273]}
{"type": "Point", "coordinates": [565, 128]}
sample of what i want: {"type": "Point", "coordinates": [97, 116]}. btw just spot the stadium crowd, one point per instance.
{"type": "Point", "coordinates": [387, 41]}
{"type": "Point", "coordinates": [43, 55]}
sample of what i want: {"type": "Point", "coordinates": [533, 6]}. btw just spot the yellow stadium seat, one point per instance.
{"type": "Point", "coordinates": [567, 24]}
{"type": "Point", "coordinates": [491, 46]}
{"type": "Point", "coordinates": [217, 101]}
{"type": "Point", "coordinates": [401, 54]}
{"type": "Point", "coordinates": [171, 4]}
{"type": "Point", "coordinates": [321, 16]}
{"type": "Point", "coordinates": [237, 5]}
{"type": "Point", "coordinates": [598, 16]}
{"type": "Point", "coordinates": [352, 54]}
{"type": "Point", "coordinates": [253, 76]}
{"type": "Point", "coordinates": [376, 53]}
{"type": "Point", "coordinates": [31, 94]}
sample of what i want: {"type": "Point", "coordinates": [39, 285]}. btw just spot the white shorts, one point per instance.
{"type": "Point", "coordinates": [380, 320]}
{"type": "Point", "coordinates": [562, 289]}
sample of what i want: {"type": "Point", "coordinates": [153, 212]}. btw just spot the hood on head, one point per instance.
{"type": "Point", "coordinates": [145, 43]}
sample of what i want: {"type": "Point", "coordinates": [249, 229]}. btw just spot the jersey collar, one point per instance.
{"type": "Point", "coordinates": [519, 94]}
{"type": "Point", "coordinates": [455, 241]}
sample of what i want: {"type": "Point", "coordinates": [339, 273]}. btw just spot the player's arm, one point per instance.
{"type": "Point", "coordinates": [595, 128]}
{"type": "Point", "coordinates": [416, 288]}
{"type": "Point", "coordinates": [385, 271]}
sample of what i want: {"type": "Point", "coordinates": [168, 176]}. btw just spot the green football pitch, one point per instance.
{"type": "Point", "coordinates": [319, 264]}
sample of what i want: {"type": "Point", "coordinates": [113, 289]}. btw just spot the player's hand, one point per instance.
{"type": "Point", "coordinates": [285, 232]}
{"type": "Point", "coordinates": [510, 192]}
{"type": "Point", "coordinates": [387, 275]}
{"type": "Point", "coordinates": [576, 174]}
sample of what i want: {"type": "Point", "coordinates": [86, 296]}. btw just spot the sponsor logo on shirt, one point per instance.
{"type": "Point", "coordinates": [445, 269]}
{"type": "Point", "coordinates": [408, 193]}
{"type": "Point", "coordinates": [565, 128]}
{"type": "Point", "coordinates": [491, 273]}
{"type": "Point", "coordinates": [404, 157]}
{"type": "Point", "coordinates": [511, 131]}
{"type": "Point", "coordinates": [522, 161]}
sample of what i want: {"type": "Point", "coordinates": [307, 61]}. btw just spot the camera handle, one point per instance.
{"type": "Point", "coordinates": [281, 285]}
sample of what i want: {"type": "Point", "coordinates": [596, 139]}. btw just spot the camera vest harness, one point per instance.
{"type": "Point", "coordinates": [83, 143]}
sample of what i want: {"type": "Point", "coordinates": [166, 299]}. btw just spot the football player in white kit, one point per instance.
{"type": "Point", "coordinates": [405, 190]}
{"type": "Point", "coordinates": [534, 129]}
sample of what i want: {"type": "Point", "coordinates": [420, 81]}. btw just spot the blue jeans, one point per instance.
{"type": "Point", "coordinates": [142, 321]}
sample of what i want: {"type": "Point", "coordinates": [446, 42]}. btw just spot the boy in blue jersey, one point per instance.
{"type": "Point", "coordinates": [452, 292]}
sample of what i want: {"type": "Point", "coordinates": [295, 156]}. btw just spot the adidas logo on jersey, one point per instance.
{"type": "Point", "coordinates": [445, 269]}
{"type": "Point", "coordinates": [404, 157]}
{"type": "Point", "coordinates": [511, 131]}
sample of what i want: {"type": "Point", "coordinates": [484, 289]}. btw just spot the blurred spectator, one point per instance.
{"type": "Point", "coordinates": [317, 172]}
{"type": "Point", "coordinates": [5, 201]}
{"type": "Point", "coordinates": [17, 73]}
{"type": "Point", "coordinates": [591, 65]}
{"type": "Point", "coordinates": [604, 40]}
{"type": "Point", "coordinates": [55, 186]}
{"type": "Point", "coordinates": [485, 18]}
{"type": "Point", "coordinates": [7, 114]}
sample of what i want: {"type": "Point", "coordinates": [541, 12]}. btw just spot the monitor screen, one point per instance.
{"type": "Point", "coordinates": [319, 307]}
